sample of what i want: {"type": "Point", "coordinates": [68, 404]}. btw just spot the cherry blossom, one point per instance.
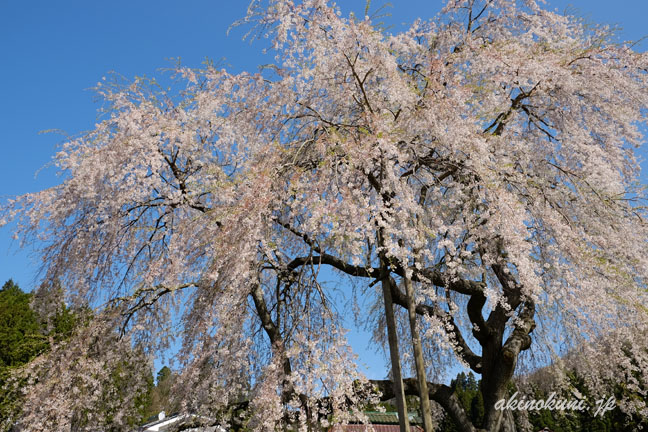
{"type": "Point", "coordinates": [485, 157]}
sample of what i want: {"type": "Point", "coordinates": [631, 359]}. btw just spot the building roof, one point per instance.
{"type": "Point", "coordinates": [161, 422]}
{"type": "Point", "coordinates": [376, 417]}
{"type": "Point", "coordinates": [369, 427]}
{"type": "Point", "coordinates": [380, 422]}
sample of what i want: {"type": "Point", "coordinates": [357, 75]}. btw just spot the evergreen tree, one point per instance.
{"type": "Point", "coordinates": [161, 396]}
{"type": "Point", "coordinates": [20, 336]}
{"type": "Point", "coordinates": [20, 341]}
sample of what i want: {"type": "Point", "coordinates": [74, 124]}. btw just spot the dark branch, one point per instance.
{"type": "Point", "coordinates": [440, 393]}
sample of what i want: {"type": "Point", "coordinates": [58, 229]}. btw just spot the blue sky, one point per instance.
{"type": "Point", "coordinates": [53, 52]}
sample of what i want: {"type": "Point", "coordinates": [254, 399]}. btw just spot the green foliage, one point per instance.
{"type": "Point", "coordinates": [144, 400]}
{"type": "Point", "coordinates": [163, 376]}
{"type": "Point", "coordinates": [119, 388]}
{"type": "Point", "coordinates": [65, 321]}
{"type": "Point", "coordinates": [466, 389]}
{"type": "Point", "coordinates": [160, 397]}
{"type": "Point", "coordinates": [21, 340]}
{"type": "Point", "coordinates": [10, 398]}
{"type": "Point", "coordinates": [56, 320]}
{"type": "Point", "coordinates": [20, 335]}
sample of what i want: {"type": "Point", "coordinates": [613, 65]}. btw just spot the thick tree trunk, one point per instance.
{"type": "Point", "coordinates": [426, 410]}
{"type": "Point", "coordinates": [392, 337]}
{"type": "Point", "coordinates": [494, 382]}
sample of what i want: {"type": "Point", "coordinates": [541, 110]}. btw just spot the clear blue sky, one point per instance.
{"type": "Point", "coordinates": [52, 52]}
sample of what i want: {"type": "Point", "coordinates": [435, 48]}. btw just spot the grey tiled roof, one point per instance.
{"type": "Point", "coordinates": [375, 417]}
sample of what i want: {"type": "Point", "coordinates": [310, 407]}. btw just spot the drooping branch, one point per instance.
{"type": "Point", "coordinates": [144, 298]}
